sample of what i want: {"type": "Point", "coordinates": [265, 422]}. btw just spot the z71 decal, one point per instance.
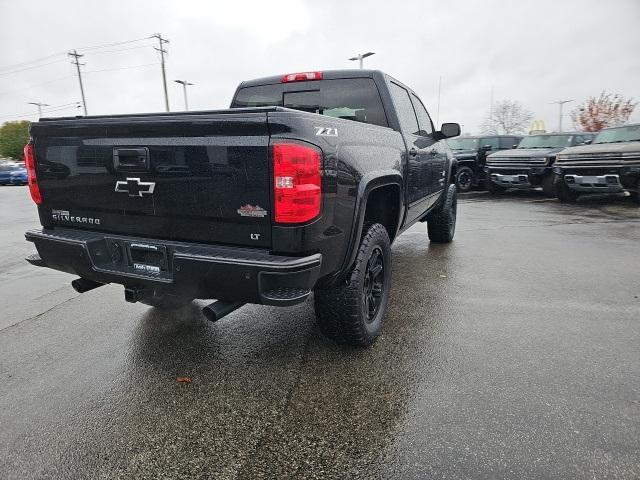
{"type": "Point", "coordinates": [326, 131]}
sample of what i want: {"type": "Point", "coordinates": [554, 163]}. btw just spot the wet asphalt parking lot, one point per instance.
{"type": "Point", "coordinates": [513, 352]}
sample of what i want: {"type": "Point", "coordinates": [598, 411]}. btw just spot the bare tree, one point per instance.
{"type": "Point", "coordinates": [507, 117]}
{"type": "Point", "coordinates": [608, 110]}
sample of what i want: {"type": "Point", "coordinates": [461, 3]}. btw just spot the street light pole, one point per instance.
{"type": "Point", "coordinates": [560, 104]}
{"type": "Point", "coordinates": [39, 105]}
{"type": "Point", "coordinates": [362, 56]}
{"type": "Point", "coordinates": [184, 84]}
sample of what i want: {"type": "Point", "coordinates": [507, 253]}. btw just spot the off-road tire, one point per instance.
{"type": "Point", "coordinates": [547, 186]}
{"type": "Point", "coordinates": [465, 178]}
{"type": "Point", "coordinates": [342, 311]}
{"type": "Point", "coordinates": [562, 191]}
{"type": "Point", "coordinates": [163, 301]}
{"type": "Point", "coordinates": [492, 188]}
{"type": "Point", "coordinates": [441, 224]}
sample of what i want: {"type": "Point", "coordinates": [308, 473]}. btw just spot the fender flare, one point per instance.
{"type": "Point", "coordinates": [368, 183]}
{"type": "Point", "coordinates": [453, 165]}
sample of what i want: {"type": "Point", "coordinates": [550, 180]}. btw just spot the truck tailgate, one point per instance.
{"type": "Point", "coordinates": [194, 177]}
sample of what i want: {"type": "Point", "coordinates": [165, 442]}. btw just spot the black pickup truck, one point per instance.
{"type": "Point", "coordinates": [300, 186]}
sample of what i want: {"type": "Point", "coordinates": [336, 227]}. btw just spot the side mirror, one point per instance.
{"type": "Point", "coordinates": [515, 145]}
{"type": "Point", "coordinates": [587, 142]}
{"type": "Point", "coordinates": [449, 130]}
{"type": "Point", "coordinates": [486, 148]}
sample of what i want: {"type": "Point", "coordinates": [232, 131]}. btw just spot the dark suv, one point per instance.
{"type": "Point", "coordinates": [471, 153]}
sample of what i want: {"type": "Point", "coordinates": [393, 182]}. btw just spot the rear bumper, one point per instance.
{"type": "Point", "coordinates": [184, 269]}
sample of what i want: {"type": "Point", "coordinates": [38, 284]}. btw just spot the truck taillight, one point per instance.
{"type": "Point", "coordinates": [296, 182]}
{"type": "Point", "coordinates": [301, 77]}
{"type": "Point", "coordinates": [30, 165]}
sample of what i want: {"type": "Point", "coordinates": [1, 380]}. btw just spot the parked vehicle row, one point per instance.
{"type": "Point", "coordinates": [565, 165]}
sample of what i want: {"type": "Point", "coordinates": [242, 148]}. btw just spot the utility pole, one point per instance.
{"type": "Point", "coordinates": [75, 61]}
{"type": "Point", "coordinates": [161, 42]}
{"type": "Point", "coordinates": [560, 103]}
{"type": "Point", "coordinates": [39, 105]}
{"type": "Point", "coordinates": [362, 56]}
{"type": "Point", "coordinates": [184, 84]}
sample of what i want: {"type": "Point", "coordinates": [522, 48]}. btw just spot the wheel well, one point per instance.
{"type": "Point", "coordinates": [383, 206]}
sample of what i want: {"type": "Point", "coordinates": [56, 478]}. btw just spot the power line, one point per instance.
{"type": "Point", "coordinates": [105, 45]}
{"type": "Point", "coordinates": [161, 42]}
{"type": "Point", "coordinates": [37, 60]}
{"type": "Point", "coordinates": [59, 54]}
{"type": "Point", "coordinates": [36, 85]}
{"type": "Point", "coordinates": [55, 108]}
{"type": "Point", "coordinates": [121, 68]}
{"type": "Point", "coordinates": [121, 49]}
{"type": "Point", "coordinates": [75, 61]}
{"type": "Point", "coordinates": [2, 74]}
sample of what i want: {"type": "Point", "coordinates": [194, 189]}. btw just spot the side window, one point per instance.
{"type": "Point", "coordinates": [406, 114]}
{"type": "Point", "coordinates": [493, 141]}
{"type": "Point", "coordinates": [424, 120]}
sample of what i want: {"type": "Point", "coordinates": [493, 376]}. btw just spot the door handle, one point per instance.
{"type": "Point", "coordinates": [413, 152]}
{"type": "Point", "coordinates": [131, 158]}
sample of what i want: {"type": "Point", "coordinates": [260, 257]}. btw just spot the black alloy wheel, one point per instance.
{"type": "Point", "coordinates": [464, 179]}
{"type": "Point", "coordinates": [373, 285]}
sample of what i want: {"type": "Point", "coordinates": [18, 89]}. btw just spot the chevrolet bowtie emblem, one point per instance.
{"type": "Point", "coordinates": [134, 187]}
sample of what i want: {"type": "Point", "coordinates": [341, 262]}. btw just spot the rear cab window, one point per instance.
{"type": "Point", "coordinates": [354, 99]}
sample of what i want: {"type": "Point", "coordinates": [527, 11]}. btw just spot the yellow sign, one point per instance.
{"type": "Point", "coordinates": [537, 127]}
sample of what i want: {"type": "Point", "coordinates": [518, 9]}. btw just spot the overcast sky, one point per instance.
{"type": "Point", "coordinates": [531, 51]}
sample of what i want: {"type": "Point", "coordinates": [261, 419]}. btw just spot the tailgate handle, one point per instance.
{"type": "Point", "coordinates": [131, 158]}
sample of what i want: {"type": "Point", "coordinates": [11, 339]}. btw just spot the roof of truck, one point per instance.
{"type": "Point", "coordinates": [326, 75]}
